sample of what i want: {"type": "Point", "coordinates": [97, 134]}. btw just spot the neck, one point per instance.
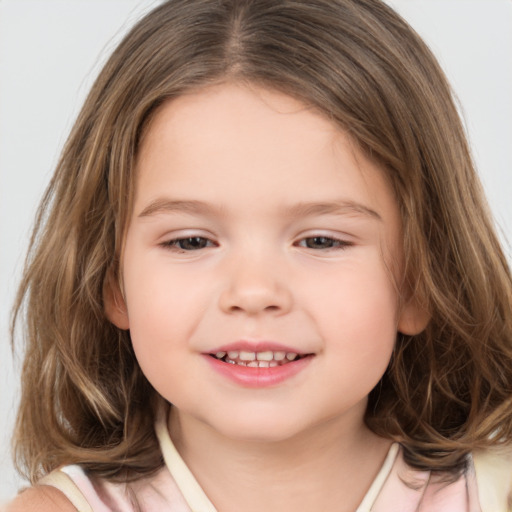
{"type": "Point", "coordinates": [329, 467]}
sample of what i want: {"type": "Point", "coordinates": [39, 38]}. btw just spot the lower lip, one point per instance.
{"type": "Point", "coordinates": [258, 377]}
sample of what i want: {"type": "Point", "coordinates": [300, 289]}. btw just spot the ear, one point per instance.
{"type": "Point", "coordinates": [413, 318]}
{"type": "Point", "coordinates": [114, 303]}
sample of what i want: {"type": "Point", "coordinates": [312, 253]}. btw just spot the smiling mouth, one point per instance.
{"type": "Point", "coordinates": [263, 359]}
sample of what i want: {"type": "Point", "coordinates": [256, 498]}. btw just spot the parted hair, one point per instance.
{"type": "Point", "coordinates": [447, 391]}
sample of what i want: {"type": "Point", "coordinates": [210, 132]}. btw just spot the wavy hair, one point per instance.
{"type": "Point", "coordinates": [446, 392]}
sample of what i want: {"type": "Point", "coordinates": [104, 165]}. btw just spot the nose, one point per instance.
{"type": "Point", "coordinates": [255, 287]}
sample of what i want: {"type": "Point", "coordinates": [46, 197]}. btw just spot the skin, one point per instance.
{"type": "Point", "coordinates": [41, 498]}
{"type": "Point", "coordinates": [271, 265]}
{"type": "Point", "coordinates": [317, 279]}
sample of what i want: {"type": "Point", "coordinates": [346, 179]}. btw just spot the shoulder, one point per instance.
{"type": "Point", "coordinates": [41, 498]}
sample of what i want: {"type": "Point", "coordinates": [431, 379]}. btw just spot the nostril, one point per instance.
{"type": "Point", "coordinates": [252, 298]}
{"type": "Point", "coordinates": [249, 309]}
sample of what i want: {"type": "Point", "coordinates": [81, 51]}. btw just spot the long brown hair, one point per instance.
{"type": "Point", "coordinates": [447, 390]}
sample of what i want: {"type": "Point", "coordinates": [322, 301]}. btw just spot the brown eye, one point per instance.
{"type": "Point", "coordinates": [319, 242]}
{"type": "Point", "coordinates": [322, 242]}
{"type": "Point", "coordinates": [192, 243]}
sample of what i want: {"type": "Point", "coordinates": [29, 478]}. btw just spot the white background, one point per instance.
{"type": "Point", "coordinates": [51, 50]}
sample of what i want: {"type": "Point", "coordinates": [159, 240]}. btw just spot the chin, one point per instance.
{"type": "Point", "coordinates": [259, 430]}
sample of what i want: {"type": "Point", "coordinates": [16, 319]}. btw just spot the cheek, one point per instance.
{"type": "Point", "coordinates": [156, 308]}
{"type": "Point", "coordinates": [161, 299]}
{"type": "Point", "coordinates": [158, 333]}
{"type": "Point", "coordinates": [357, 314]}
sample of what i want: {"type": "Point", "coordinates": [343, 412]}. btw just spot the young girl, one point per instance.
{"type": "Point", "coordinates": [264, 277]}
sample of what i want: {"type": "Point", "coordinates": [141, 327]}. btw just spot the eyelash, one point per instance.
{"type": "Point", "coordinates": [333, 243]}
{"type": "Point", "coordinates": [177, 243]}
{"type": "Point", "coordinates": [200, 242]}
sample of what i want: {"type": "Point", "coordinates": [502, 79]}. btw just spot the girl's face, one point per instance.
{"type": "Point", "coordinates": [258, 266]}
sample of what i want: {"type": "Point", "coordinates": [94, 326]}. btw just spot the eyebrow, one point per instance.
{"type": "Point", "coordinates": [336, 207]}
{"type": "Point", "coordinates": [164, 205]}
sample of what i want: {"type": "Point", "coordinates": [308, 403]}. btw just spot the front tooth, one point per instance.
{"type": "Point", "coordinates": [279, 356]}
{"type": "Point", "coordinates": [220, 355]}
{"type": "Point", "coordinates": [273, 363]}
{"type": "Point", "coordinates": [233, 354]}
{"type": "Point", "coordinates": [291, 356]}
{"type": "Point", "coordinates": [253, 364]}
{"type": "Point", "coordinates": [247, 356]}
{"type": "Point", "coordinates": [263, 364]}
{"type": "Point", "coordinates": [265, 356]}
{"type": "Point", "coordinates": [241, 363]}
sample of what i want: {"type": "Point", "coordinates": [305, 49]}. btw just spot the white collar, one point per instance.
{"type": "Point", "coordinates": [196, 497]}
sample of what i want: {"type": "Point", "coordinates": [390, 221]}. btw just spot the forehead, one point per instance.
{"type": "Point", "coordinates": [200, 115]}
{"type": "Point", "coordinates": [240, 144]}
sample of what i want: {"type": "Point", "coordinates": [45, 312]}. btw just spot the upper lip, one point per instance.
{"type": "Point", "coordinates": [256, 346]}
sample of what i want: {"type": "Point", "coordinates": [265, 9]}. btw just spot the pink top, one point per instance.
{"type": "Point", "coordinates": [397, 487]}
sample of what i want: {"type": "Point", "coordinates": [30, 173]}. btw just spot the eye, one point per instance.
{"type": "Point", "coordinates": [323, 242]}
{"type": "Point", "coordinates": [190, 243]}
